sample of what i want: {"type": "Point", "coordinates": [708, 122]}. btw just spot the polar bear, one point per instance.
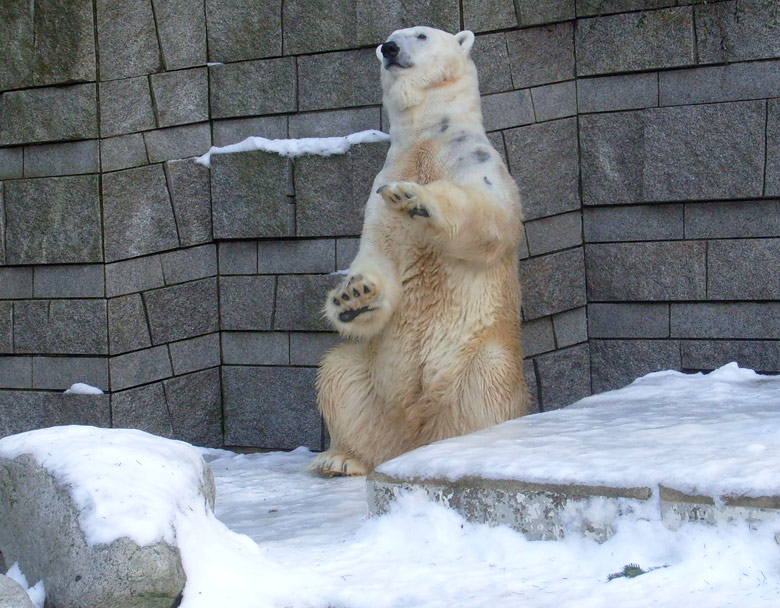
{"type": "Point", "coordinates": [431, 302]}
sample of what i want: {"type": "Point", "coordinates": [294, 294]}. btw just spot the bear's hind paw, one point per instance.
{"type": "Point", "coordinates": [337, 464]}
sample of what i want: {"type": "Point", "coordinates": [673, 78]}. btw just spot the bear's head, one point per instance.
{"type": "Point", "coordinates": [417, 59]}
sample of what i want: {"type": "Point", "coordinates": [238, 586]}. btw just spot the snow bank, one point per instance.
{"type": "Point", "coordinates": [36, 593]}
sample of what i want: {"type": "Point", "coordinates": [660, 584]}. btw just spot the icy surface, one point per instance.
{"type": "Point", "coordinates": [319, 146]}
{"type": "Point", "coordinates": [716, 434]}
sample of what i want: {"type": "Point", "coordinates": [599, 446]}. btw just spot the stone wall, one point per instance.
{"type": "Point", "coordinates": [645, 137]}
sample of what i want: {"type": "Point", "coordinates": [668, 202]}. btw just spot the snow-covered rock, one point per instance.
{"type": "Point", "coordinates": [12, 595]}
{"type": "Point", "coordinates": [92, 513]}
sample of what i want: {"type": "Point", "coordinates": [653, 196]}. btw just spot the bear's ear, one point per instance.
{"type": "Point", "coordinates": [465, 39]}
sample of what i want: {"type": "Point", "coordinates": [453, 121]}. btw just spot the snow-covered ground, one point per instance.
{"type": "Point", "coordinates": [293, 539]}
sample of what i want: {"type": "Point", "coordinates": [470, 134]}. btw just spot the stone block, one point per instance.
{"type": "Point", "coordinates": [552, 283]}
{"type": "Point", "coordinates": [143, 408]}
{"type": "Point", "coordinates": [49, 114]}
{"type": "Point", "coordinates": [492, 15]}
{"type": "Point", "coordinates": [334, 123]}
{"type": "Point", "coordinates": [140, 367]}
{"type": "Point", "coordinates": [628, 320]}
{"type": "Point", "coordinates": [53, 220]}
{"type": "Point", "coordinates": [732, 219]}
{"type": "Point", "coordinates": [15, 372]}
{"type": "Point", "coordinates": [61, 159]}
{"type": "Point", "coordinates": [128, 328]}
{"type": "Point", "coordinates": [249, 195]}
{"type": "Point", "coordinates": [617, 363]}
{"type": "Point", "coordinates": [125, 106]}
{"type": "Point", "coordinates": [663, 270]}
{"type": "Point", "coordinates": [772, 173]}
{"type": "Point", "coordinates": [544, 161]}
{"type": "Point", "coordinates": [554, 233]}
{"type": "Point", "coordinates": [189, 185]}
{"type": "Point", "coordinates": [22, 411]}
{"type": "Point", "coordinates": [16, 29]}
{"type": "Point", "coordinates": [620, 92]}
{"type": "Point", "coordinates": [492, 60]}
{"type": "Point", "coordinates": [60, 373]}
{"type": "Point", "coordinates": [635, 41]}
{"type": "Point", "coordinates": [178, 142]}
{"type": "Point", "coordinates": [13, 595]}
{"type": "Point", "coordinates": [588, 8]}
{"type": "Point", "coordinates": [246, 302]}
{"type": "Point", "coordinates": [11, 163]}
{"type": "Point", "coordinates": [124, 152]}
{"type": "Point", "coordinates": [182, 311]}
{"type": "Point", "coordinates": [295, 257]}
{"type": "Point", "coordinates": [633, 223]}
{"type": "Point", "coordinates": [538, 337]}
{"type": "Point", "coordinates": [346, 250]}
{"type": "Point", "coordinates": [16, 283]}
{"type": "Point", "coordinates": [244, 29]}
{"type": "Point", "coordinates": [253, 87]}
{"type": "Point", "coordinates": [6, 327]}
{"type": "Point", "coordinates": [255, 348]}
{"type": "Point", "coordinates": [195, 406]}
{"type": "Point", "coordinates": [299, 300]}
{"type": "Point", "coordinates": [541, 55]}
{"type": "Point", "coordinates": [571, 327]}
{"type": "Point", "coordinates": [344, 79]}
{"type": "Point", "coordinates": [505, 110]}
{"type": "Point", "coordinates": [181, 29]}
{"type": "Point", "coordinates": [181, 97]}
{"type": "Point", "coordinates": [271, 407]}
{"type": "Point", "coordinates": [189, 264]}
{"type": "Point", "coordinates": [237, 257]}
{"type": "Point", "coordinates": [743, 269]}
{"type": "Point", "coordinates": [134, 275]}
{"type": "Point", "coordinates": [737, 31]}
{"type": "Point", "coordinates": [226, 132]}
{"type": "Point", "coordinates": [535, 13]}
{"type": "Point", "coordinates": [137, 214]}
{"type": "Point", "coordinates": [730, 320]}
{"type": "Point", "coordinates": [308, 348]}
{"type": "Point", "coordinates": [127, 39]}
{"type": "Point", "coordinates": [331, 192]}
{"type": "Point", "coordinates": [76, 327]}
{"type": "Point", "coordinates": [564, 377]}
{"type": "Point", "coordinates": [195, 354]}
{"type": "Point", "coordinates": [734, 82]}
{"type": "Point", "coordinates": [529, 370]}
{"type": "Point", "coordinates": [557, 100]}
{"type": "Point", "coordinates": [69, 281]}
{"type": "Point", "coordinates": [312, 26]}
{"type": "Point", "coordinates": [762, 356]}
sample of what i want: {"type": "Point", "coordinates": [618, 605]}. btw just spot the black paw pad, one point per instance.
{"type": "Point", "coordinates": [349, 315]}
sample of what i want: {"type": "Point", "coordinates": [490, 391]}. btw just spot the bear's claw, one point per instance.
{"type": "Point", "coordinates": [404, 197]}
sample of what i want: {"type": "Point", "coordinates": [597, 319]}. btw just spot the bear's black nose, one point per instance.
{"type": "Point", "coordinates": [390, 49]}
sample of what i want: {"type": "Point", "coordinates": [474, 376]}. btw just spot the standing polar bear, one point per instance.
{"type": "Point", "coordinates": [432, 299]}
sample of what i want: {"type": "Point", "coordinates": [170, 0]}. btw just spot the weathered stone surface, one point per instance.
{"type": "Point", "coordinates": [541, 55]}
{"type": "Point", "coordinates": [246, 302]}
{"type": "Point", "coordinates": [6, 327]}
{"type": "Point", "coordinates": [62, 159]}
{"type": "Point", "coordinates": [737, 30]}
{"type": "Point", "coordinates": [127, 38]}
{"type": "Point", "coordinates": [557, 100]}
{"type": "Point", "coordinates": [664, 270]}
{"type": "Point", "coordinates": [125, 106]}
{"type": "Point", "coordinates": [571, 327]}
{"type": "Point", "coordinates": [2, 227]}
{"type": "Point", "coordinates": [538, 337]}
{"type": "Point", "coordinates": [133, 275]}
{"type": "Point", "coordinates": [299, 301]}
{"type": "Point", "coordinates": [331, 192]}
{"type": "Point", "coordinates": [16, 31]}
{"type": "Point", "coordinates": [734, 82]}
{"type": "Point", "coordinates": [762, 356]}
{"type": "Point", "coordinates": [75, 327]}
{"type": "Point", "coordinates": [505, 110]}
{"type": "Point", "coordinates": [308, 348]}
{"type": "Point", "coordinates": [243, 29]}
{"type": "Point", "coordinates": [743, 269]}
{"type": "Point", "coordinates": [140, 367]}
{"type": "Point", "coordinates": [529, 371]}
{"type": "Point", "coordinates": [237, 257]}
{"type": "Point", "coordinates": [544, 161]}
{"type": "Point", "coordinates": [633, 223]}
{"type": "Point", "coordinates": [16, 282]}
{"type": "Point", "coordinates": [12, 595]}
{"type": "Point", "coordinates": [53, 220]}
{"type": "Point", "coordinates": [628, 320]}
{"type": "Point", "coordinates": [195, 354]}
{"type": "Point", "coordinates": [255, 348]}
{"type": "Point", "coordinates": [736, 320]}
{"type": "Point", "coordinates": [587, 8]}
{"type": "Point", "coordinates": [22, 411]}
{"type": "Point", "coordinates": [492, 15]}
{"type": "Point", "coordinates": [348, 78]}
{"type": "Point", "coordinates": [178, 142]}
{"type": "Point", "coordinates": [15, 372]}
{"type": "Point", "coordinates": [69, 281]}
{"type": "Point", "coordinates": [334, 123]}
{"type": "Point", "coordinates": [617, 363]}
{"type": "Point", "coordinates": [41, 531]}
{"type": "Point", "coordinates": [621, 92]}
{"type": "Point", "coordinates": [188, 183]}
{"type": "Point", "coordinates": [346, 250]}
{"type": "Point", "coordinates": [531, 12]}
{"type": "Point", "coordinates": [49, 114]}
{"type": "Point", "coordinates": [772, 174]}
{"type": "Point", "coordinates": [181, 28]}
{"type": "Point", "coordinates": [552, 283]}
{"type": "Point", "coordinates": [11, 163]}
{"type": "Point", "coordinates": [253, 87]}
{"type": "Point", "coordinates": [271, 407]}
{"type": "Point", "coordinates": [137, 214]}
{"type": "Point", "coordinates": [564, 376]}
{"type": "Point", "coordinates": [304, 256]}
{"type": "Point", "coordinates": [228, 132]}
{"type": "Point", "coordinates": [60, 373]}
{"type": "Point", "coordinates": [182, 311]}
{"type": "Point", "coordinates": [635, 41]}
{"type": "Point", "coordinates": [554, 233]}
{"type": "Point", "coordinates": [732, 219]}
{"type": "Point", "coordinates": [492, 60]}
{"type": "Point", "coordinates": [143, 408]}
{"type": "Point", "coordinates": [189, 264]}
{"type": "Point", "coordinates": [124, 152]}
{"type": "Point", "coordinates": [195, 406]}
{"type": "Point", "coordinates": [128, 328]}
{"type": "Point", "coordinates": [181, 97]}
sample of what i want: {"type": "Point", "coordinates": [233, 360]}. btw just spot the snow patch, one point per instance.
{"type": "Point", "coordinates": [36, 593]}
{"type": "Point", "coordinates": [83, 389]}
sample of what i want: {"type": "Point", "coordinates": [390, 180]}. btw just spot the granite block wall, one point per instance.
{"type": "Point", "coordinates": [644, 136]}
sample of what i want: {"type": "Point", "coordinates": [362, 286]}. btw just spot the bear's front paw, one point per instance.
{"type": "Point", "coordinates": [356, 296]}
{"type": "Point", "coordinates": [405, 197]}
{"type": "Point", "coordinates": [336, 464]}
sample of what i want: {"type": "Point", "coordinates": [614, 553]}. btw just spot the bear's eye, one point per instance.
{"type": "Point", "coordinates": [422, 37]}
